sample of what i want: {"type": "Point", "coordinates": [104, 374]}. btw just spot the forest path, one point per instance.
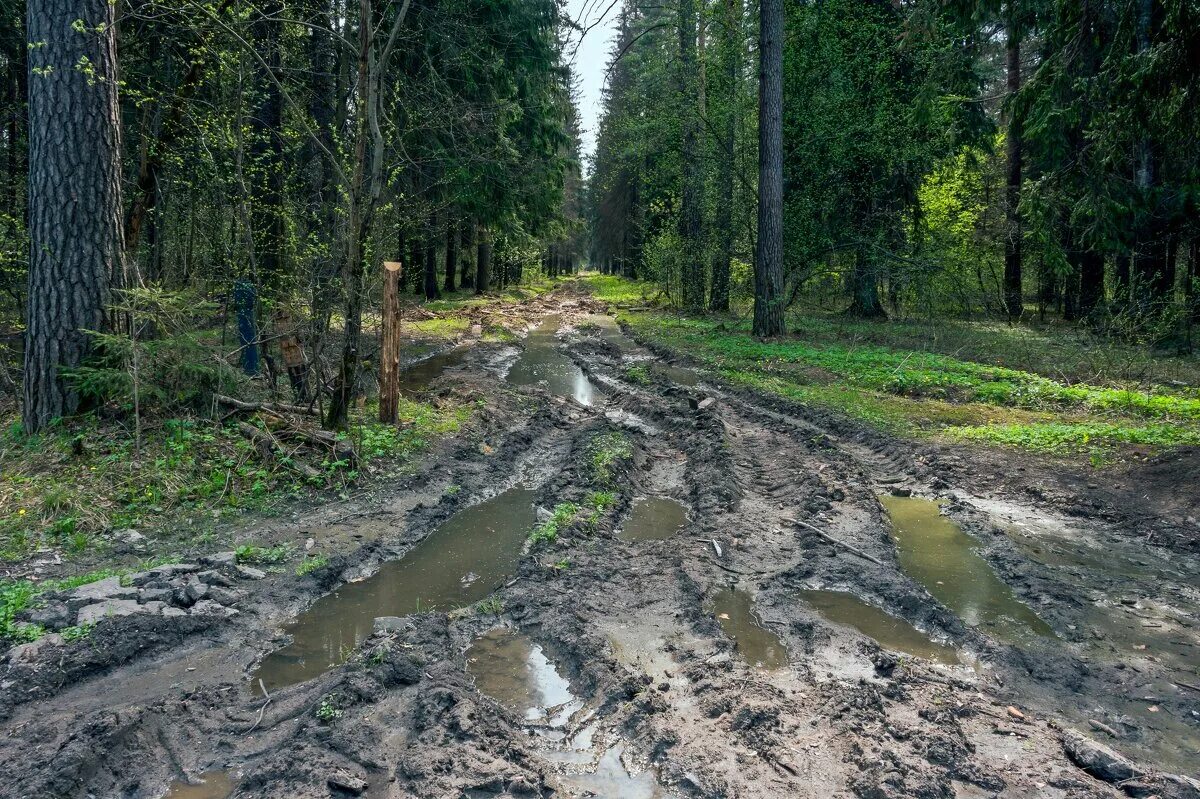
{"type": "Point", "coordinates": [726, 658]}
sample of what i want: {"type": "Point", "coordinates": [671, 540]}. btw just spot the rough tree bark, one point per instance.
{"type": "Point", "coordinates": [690, 221]}
{"type": "Point", "coordinates": [1014, 301]}
{"type": "Point", "coordinates": [74, 195]}
{"type": "Point", "coordinates": [768, 260]}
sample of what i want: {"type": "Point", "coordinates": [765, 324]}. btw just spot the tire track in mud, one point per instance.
{"type": "Point", "coordinates": [629, 623]}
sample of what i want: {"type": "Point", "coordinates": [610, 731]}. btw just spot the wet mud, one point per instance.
{"type": "Point", "coordinates": [960, 649]}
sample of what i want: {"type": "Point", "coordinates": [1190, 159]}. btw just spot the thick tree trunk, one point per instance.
{"type": "Point", "coordinates": [431, 248]}
{"type": "Point", "coordinates": [690, 221]}
{"type": "Point", "coordinates": [483, 261]}
{"type": "Point", "coordinates": [864, 286]}
{"type": "Point", "coordinates": [451, 256]}
{"type": "Point", "coordinates": [74, 195]}
{"type": "Point", "coordinates": [731, 62]}
{"type": "Point", "coordinates": [1014, 300]}
{"type": "Point", "coordinates": [768, 261]}
{"type": "Point", "coordinates": [1091, 283]}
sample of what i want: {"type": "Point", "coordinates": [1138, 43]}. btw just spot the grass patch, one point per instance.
{"type": "Point", "coordinates": [252, 553]}
{"type": "Point", "coordinates": [547, 531]}
{"type": "Point", "coordinates": [606, 451]}
{"type": "Point", "coordinates": [1010, 385]}
{"type": "Point", "coordinates": [311, 564]}
{"type": "Point", "coordinates": [639, 374]}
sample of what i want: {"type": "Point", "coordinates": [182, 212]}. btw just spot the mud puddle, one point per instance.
{"type": "Point", "coordinates": [758, 645]}
{"type": "Point", "coordinates": [610, 331]}
{"type": "Point", "coordinates": [209, 785]}
{"type": "Point", "coordinates": [515, 671]}
{"type": "Point", "coordinates": [460, 563]}
{"type": "Point", "coordinates": [543, 363]}
{"type": "Point", "coordinates": [941, 556]}
{"type": "Point", "coordinates": [678, 374]}
{"type": "Point", "coordinates": [415, 378]}
{"type": "Point", "coordinates": [890, 632]}
{"type": "Point", "coordinates": [653, 519]}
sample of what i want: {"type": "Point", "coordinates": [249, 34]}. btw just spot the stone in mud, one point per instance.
{"type": "Point", "coordinates": [110, 608]}
{"type": "Point", "coordinates": [27, 653]}
{"type": "Point", "coordinates": [206, 607]}
{"type": "Point", "coordinates": [214, 577]}
{"type": "Point", "coordinates": [346, 783]}
{"type": "Point", "coordinates": [1098, 760]}
{"type": "Point", "coordinates": [171, 613]}
{"type": "Point", "coordinates": [147, 595]}
{"type": "Point", "coordinates": [249, 572]}
{"type": "Point", "coordinates": [109, 588]}
{"type": "Point", "coordinates": [223, 595]}
{"type": "Point", "coordinates": [54, 616]}
{"type": "Point", "coordinates": [164, 572]}
{"type": "Point", "coordinates": [195, 591]}
{"type": "Point", "coordinates": [218, 559]}
{"type": "Point", "coordinates": [542, 514]}
{"type": "Point", "coordinates": [392, 624]}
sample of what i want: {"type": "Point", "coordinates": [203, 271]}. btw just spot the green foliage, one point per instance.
{"type": "Point", "coordinates": [547, 531]}
{"type": "Point", "coordinates": [14, 597]}
{"type": "Point", "coordinates": [252, 553]}
{"type": "Point", "coordinates": [638, 373]}
{"type": "Point", "coordinates": [491, 606]}
{"type": "Point", "coordinates": [605, 452]}
{"type": "Point", "coordinates": [1065, 437]}
{"type": "Point", "coordinates": [311, 564]}
{"type": "Point", "coordinates": [328, 711]}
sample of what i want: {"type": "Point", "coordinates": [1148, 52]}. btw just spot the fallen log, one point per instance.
{"type": "Point", "coordinates": [270, 407]}
{"type": "Point", "coordinates": [269, 447]}
{"type": "Point", "coordinates": [848, 547]}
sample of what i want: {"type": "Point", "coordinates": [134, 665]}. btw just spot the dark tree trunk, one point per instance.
{"type": "Point", "coordinates": [1014, 300]}
{"type": "Point", "coordinates": [768, 261]}
{"type": "Point", "coordinates": [451, 257]}
{"type": "Point", "coordinates": [417, 259]}
{"type": "Point", "coordinates": [731, 55]}
{"type": "Point", "coordinates": [431, 271]}
{"type": "Point", "coordinates": [864, 286]}
{"type": "Point", "coordinates": [467, 256]}
{"type": "Point", "coordinates": [1091, 283]}
{"type": "Point", "coordinates": [266, 153]}
{"type": "Point", "coordinates": [323, 57]}
{"type": "Point", "coordinates": [1150, 282]}
{"type": "Point", "coordinates": [74, 196]}
{"type": "Point", "coordinates": [483, 261]}
{"type": "Point", "coordinates": [690, 222]}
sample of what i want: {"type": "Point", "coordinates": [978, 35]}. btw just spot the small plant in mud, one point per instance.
{"type": "Point", "coordinates": [77, 632]}
{"type": "Point", "coordinates": [639, 374]}
{"type": "Point", "coordinates": [562, 565]}
{"type": "Point", "coordinates": [251, 553]}
{"type": "Point", "coordinates": [328, 710]}
{"type": "Point", "coordinates": [311, 564]}
{"type": "Point", "coordinates": [493, 605]}
{"type": "Point", "coordinates": [606, 451]}
{"type": "Point", "coordinates": [547, 531]}
{"type": "Point", "coordinates": [453, 489]}
{"type": "Point", "coordinates": [377, 656]}
{"type": "Point", "coordinates": [599, 501]}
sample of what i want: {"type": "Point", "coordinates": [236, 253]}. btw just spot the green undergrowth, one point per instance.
{"type": "Point", "coordinates": [605, 452]}
{"type": "Point", "coordinates": [547, 532]}
{"type": "Point", "coordinates": [70, 488]}
{"type": "Point", "coordinates": [998, 397]}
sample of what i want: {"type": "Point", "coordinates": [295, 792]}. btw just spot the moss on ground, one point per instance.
{"type": "Point", "coordinates": [916, 378]}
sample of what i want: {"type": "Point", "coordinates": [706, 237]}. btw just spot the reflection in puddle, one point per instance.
{"type": "Point", "coordinates": [542, 363]}
{"type": "Point", "coordinates": [652, 519]}
{"type": "Point", "coordinates": [416, 378]}
{"type": "Point", "coordinates": [210, 785]}
{"type": "Point", "coordinates": [610, 331]}
{"type": "Point", "coordinates": [891, 633]}
{"type": "Point", "coordinates": [461, 562]}
{"type": "Point", "coordinates": [611, 780]}
{"type": "Point", "coordinates": [937, 553]}
{"type": "Point", "coordinates": [759, 646]}
{"type": "Point", "coordinates": [678, 374]}
{"type": "Point", "coordinates": [514, 671]}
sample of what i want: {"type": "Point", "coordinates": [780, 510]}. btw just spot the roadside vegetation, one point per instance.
{"type": "Point", "coordinates": [1015, 385]}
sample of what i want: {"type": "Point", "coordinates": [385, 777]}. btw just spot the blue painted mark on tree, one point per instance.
{"type": "Point", "coordinates": [244, 301]}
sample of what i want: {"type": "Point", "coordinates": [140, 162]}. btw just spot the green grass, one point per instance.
{"type": "Point", "coordinates": [252, 553]}
{"type": "Point", "coordinates": [891, 375]}
{"type": "Point", "coordinates": [311, 564]}
{"type": "Point", "coordinates": [606, 451]}
{"type": "Point", "coordinates": [547, 531]}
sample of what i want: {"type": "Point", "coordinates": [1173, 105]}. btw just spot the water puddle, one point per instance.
{"type": "Point", "coordinates": [514, 671]}
{"type": "Point", "coordinates": [543, 363]}
{"type": "Point", "coordinates": [458, 564]}
{"type": "Point", "coordinates": [415, 378]}
{"type": "Point", "coordinates": [610, 331]}
{"type": "Point", "coordinates": [937, 553]}
{"type": "Point", "coordinates": [210, 785]}
{"type": "Point", "coordinates": [653, 519]}
{"type": "Point", "coordinates": [678, 374]}
{"type": "Point", "coordinates": [890, 632]}
{"type": "Point", "coordinates": [610, 779]}
{"type": "Point", "coordinates": [759, 646]}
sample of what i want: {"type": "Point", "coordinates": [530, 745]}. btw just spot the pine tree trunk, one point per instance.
{"type": "Point", "coordinates": [768, 261]}
{"type": "Point", "coordinates": [1091, 283]}
{"type": "Point", "coordinates": [74, 196]}
{"type": "Point", "coordinates": [483, 261]}
{"type": "Point", "coordinates": [1014, 300]}
{"type": "Point", "coordinates": [451, 256]}
{"type": "Point", "coordinates": [731, 55]}
{"type": "Point", "coordinates": [690, 222]}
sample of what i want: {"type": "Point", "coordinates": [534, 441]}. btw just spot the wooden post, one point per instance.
{"type": "Point", "coordinates": [389, 353]}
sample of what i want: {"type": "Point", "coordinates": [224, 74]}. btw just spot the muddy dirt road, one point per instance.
{"type": "Point", "coordinates": [728, 597]}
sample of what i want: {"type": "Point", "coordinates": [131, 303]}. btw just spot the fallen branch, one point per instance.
{"type": "Point", "coordinates": [270, 407]}
{"type": "Point", "coordinates": [1104, 728]}
{"type": "Point", "coordinates": [261, 710]}
{"type": "Point", "coordinates": [848, 547]}
{"type": "Point", "coordinates": [269, 446]}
